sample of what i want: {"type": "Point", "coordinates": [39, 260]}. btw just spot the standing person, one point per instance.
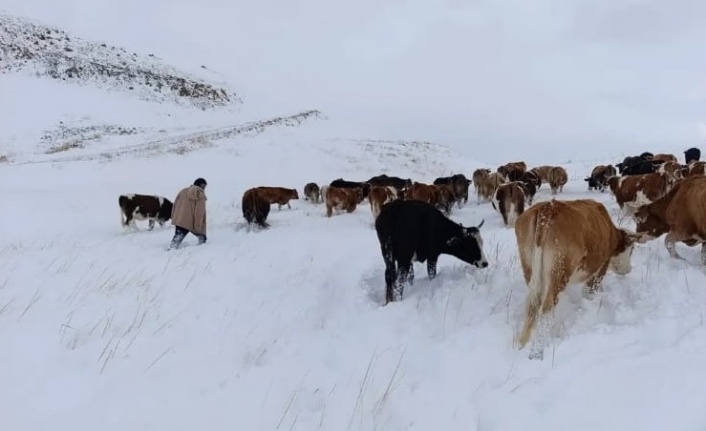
{"type": "Point", "coordinates": [189, 213]}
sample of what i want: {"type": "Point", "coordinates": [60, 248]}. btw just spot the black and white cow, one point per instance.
{"type": "Point", "coordinates": [415, 230]}
{"type": "Point", "coordinates": [144, 207]}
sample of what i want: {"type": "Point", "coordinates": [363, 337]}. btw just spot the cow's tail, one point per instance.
{"type": "Point", "coordinates": [539, 284]}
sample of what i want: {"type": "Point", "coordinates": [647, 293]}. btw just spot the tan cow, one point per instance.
{"type": "Point", "coordinates": [278, 195]}
{"type": "Point", "coordinates": [486, 188]}
{"type": "Point", "coordinates": [557, 178]}
{"type": "Point", "coordinates": [634, 191]}
{"type": "Point", "coordinates": [542, 172]}
{"type": "Point", "coordinates": [341, 199]}
{"type": "Point", "coordinates": [509, 201]}
{"type": "Point", "coordinates": [480, 175]}
{"type": "Point", "coordinates": [563, 242]}
{"type": "Point", "coordinates": [379, 196]}
{"type": "Point", "coordinates": [681, 214]}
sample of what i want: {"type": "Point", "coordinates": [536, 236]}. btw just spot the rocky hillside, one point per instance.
{"type": "Point", "coordinates": [53, 53]}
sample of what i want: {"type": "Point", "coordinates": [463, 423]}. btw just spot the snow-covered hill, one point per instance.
{"type": "Point", "coordinates": [284, 328]}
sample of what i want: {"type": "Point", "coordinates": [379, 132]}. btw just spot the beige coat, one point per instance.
{"type": "Point", "coordinates": [189, 210]}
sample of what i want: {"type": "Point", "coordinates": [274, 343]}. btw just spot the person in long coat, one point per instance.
{"type": "Point", "coordinates": [189, 213]}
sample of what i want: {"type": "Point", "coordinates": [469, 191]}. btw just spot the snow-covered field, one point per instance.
{"type": "Point", "coordinates": [283, 329]}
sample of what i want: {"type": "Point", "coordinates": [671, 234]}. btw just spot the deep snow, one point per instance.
{"type": "Point", "coordinates": [284, 328]}
{"type": "Point", "coordinates": [103, 328]}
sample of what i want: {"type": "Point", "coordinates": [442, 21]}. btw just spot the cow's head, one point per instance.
{"type": "Point", "coordinates": [294, 194]}
{"type": "Point", "coordinates": [468, 246]}
{"type": "Point", "coordinates": [613, 183]}
{"type": "Point", "coordinates": [648, 225]}
{"type": "Point", "coordinates": [621, 261]}
{"type": "Point", "coordinates": [165, 211]}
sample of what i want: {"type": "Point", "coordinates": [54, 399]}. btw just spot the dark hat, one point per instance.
{"type": "Point", "coordinates": [200, 182]}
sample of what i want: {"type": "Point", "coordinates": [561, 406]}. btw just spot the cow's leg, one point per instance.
{"type": "Point", "coordinates": [431, 267]}
{"type": "Point", "coordinates": [405, 275]}
{"type": "Point", "coordinates": [703, 253]}
{"type": "Point", "coordinates": [670, 242]}
{"type": "Point", "coordinates": [390, 270]}
{"type": "Point", "coordinates": [161, 223]}
{"type": "Point", "coordinates": [288, 205]}
{"type": "Point", "coordinates": [594, 282]}
{"type": "Point", "coordinates": [151, 224]}
{"type": "Point", "coordinates": [558, 280]}
{"type": "Point", "coordinates": [128, 218]}
{"type": "Point", "coordinates": [279, 206]}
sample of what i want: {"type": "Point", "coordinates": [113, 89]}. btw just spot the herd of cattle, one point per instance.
{"type": "Point", "coordinates": [559, 241]}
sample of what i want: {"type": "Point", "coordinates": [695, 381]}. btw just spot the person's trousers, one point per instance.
{"type": "Point", "coordinates": [179, 235]}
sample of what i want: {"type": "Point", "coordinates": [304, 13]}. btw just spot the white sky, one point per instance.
{"type": "Point", "coordinates": [565, 77]}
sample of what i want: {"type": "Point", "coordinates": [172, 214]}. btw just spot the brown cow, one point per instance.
{"type": "Point", "coordinates": [486, 188]}
{"type": "Point", "coordinates": [634, 191]}
{"type": "Point", "coordinates": [681, 214]}
{"type": "Point", "coordinates": [562, 242]}
{"type": "Point", "coordinates": [341, 198]}
{"type": "Point", "coordinates": [673, 170]}
{"type": "Point", "coordinates": [255, 207]}
{"type": "Point", "coordinates": [379, 196]}
{"type": "Point", "coordinates": [696, 168]}
{"type": "Point", "coordinates": [557, 178]}
{"type": "Point", "coordinates": [420, 192]}
{"type": "Point", "coordinates": [278, 195]}
{"type": "Point", "coordinates": [662, 158]}
{"type": "Point", "coordinates": [312, 193]}
{"type": "Point", "coordinates": [509, 201]}
{"type": "Point", "coordinates": [444, 197]}
{"type": "Point", "coordinates": [598, 180]}
{"type": "Point", "coordinates": [512, 171]}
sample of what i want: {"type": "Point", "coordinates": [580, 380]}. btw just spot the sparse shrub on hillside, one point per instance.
{"type": "Point", "coordinates": [66, 137]}
{"type": "Point", "coordinates": [53, 53]}
{"type": "Point", "coordinates": [64, 147]}
{"type": "Point", "coordinates": [4, 159]}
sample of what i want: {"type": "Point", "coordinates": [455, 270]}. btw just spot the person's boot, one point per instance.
{"type": "Point", "coordinates": [177, 239]}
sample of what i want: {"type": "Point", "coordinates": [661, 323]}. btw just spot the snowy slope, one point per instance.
{"type": "Point", "coordinates": [284, 329]}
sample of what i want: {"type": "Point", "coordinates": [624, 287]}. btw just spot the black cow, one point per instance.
{"type": "Point", "coordinates": [630, 161]}
{"type": "Point", "coordinates": [415, 230]}
{"type": "Point", "coordinates": [459, 183]}
{"type": "Point", "coordinates": [144, 207]}
{"type": "Point", "coordinates": [692, 155]}
{"type": "Point", "coordinates": [386, 181]}
{"type": "Point", "coordinates": [343, 184]}
{"type": "Point", "coordinates": [642, 167]}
